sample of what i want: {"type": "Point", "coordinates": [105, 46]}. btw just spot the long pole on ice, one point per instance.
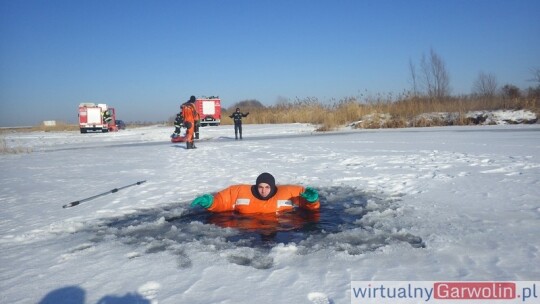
{"type": "Point", "coordinates": [75, 203]}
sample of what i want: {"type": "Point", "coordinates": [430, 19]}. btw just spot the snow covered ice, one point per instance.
{"type": "Point", "coordinates": [449, 203]}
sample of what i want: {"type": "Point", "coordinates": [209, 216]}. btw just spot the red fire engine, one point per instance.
{"type": "Point", "coordinates": [96, 117]}
{"type": "Point", "coordinates": [209, 110]}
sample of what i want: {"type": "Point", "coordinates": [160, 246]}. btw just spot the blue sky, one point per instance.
{"type": "Point", "coordinates": [146, 57]}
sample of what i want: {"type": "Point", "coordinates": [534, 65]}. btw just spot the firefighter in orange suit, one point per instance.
{"type": "Point", "coordinates": [263, 197]}
{"type": "Point", "coordinates": [190, 116]}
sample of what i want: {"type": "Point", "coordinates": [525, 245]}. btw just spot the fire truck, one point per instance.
{"type": "Point", "coordinates": [92, 117]}
{"type": "Point", "coordinates": [209, 110]}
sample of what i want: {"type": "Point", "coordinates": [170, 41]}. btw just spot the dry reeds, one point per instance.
{"type": "Point", "coordinates": [383, 113]}
{"type": "Point", "coordinates": [58, 127]}
{"type": "Point", "coordinates": [6, 149]}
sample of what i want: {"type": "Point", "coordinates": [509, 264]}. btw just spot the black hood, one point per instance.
{"type": "Point", "coordinates": [266, 178]}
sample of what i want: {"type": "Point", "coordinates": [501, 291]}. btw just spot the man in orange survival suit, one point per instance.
{"type": "Point", "coordinates": [263, 197]}
{"type": "Point", "coordinates": [190, 116]}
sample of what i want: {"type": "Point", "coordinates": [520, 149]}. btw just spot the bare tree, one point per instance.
{"type": "Point", "coordinates": [536, 75]}
{"type": "Point", "coordinates": [414, 81]}
{"type": "Point", "coordinates": [511, 91]}
{"type": "Point", "coordinates": [534, 92]}
{"type": "Point", "coordinates": [485, 85]}
{"type": "Point", "coordinates": [435, 77]}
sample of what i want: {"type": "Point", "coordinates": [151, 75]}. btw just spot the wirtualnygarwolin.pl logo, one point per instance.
{"type": "Point", "coordinates": [444, 292]}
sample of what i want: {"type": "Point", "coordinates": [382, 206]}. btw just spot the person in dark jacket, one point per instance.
{"type": "Point", "coordinates": [237, 117]}
{"type": "Point", "coordinates": [107, 116]}
{"type": "Point", "coordinates": [178, 123]}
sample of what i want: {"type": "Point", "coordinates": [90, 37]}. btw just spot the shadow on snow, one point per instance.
{"type": "Point", "coordinates": [77, 295]}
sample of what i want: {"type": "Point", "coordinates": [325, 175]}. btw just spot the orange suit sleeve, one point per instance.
{"type": "Point", "coordinates": [224, 200]}
{"type": "Point", "coordinates": [295, 191]}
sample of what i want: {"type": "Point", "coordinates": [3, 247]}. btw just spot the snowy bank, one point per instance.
{"type": "Point", "coordinates": [499, 117]}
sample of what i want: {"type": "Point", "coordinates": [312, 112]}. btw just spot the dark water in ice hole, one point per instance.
{"type": "Point", "coordinates": [261, 230]}
{"type": "Point", "coordinates": [337, 226]}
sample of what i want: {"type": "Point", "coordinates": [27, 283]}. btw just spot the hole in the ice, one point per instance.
{"type": "Point", "coordinates": [342, 210]}
{"type": "Point", "coordinates": [349, 221]}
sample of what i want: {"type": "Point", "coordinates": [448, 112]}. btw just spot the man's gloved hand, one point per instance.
{"type": "Point", "coordinates": [204, 201]}
{"type": "Point", "coordinates": [311, 195]}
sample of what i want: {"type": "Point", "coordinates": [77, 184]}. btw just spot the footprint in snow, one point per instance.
{"type": "Point", "coordinates": [149, 291]}
{"type": "Point", "coordinates": [319, 298]}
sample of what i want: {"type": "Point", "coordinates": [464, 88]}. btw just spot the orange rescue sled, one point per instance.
{"type": "Point", "coordinates": [178, 139]}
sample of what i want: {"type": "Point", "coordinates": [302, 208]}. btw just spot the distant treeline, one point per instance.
{"type": "Point", "coordinates": [401, 111]}
{"type": "Point", "coordinates": [398, 111]}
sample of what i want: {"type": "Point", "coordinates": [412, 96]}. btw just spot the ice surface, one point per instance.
{"type": "Point", "coordinates": [453, 203]}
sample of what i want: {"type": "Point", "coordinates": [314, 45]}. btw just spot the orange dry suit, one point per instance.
{"type": "Point", "coordinates": [240, 198]}
{"type": "Point", "coordinates": [190, 115]}
{"type": "Point", "coordinates": [265, 223]}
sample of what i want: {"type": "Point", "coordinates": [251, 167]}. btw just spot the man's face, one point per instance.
{"type": "Point", "coordinates": [264, 189]}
